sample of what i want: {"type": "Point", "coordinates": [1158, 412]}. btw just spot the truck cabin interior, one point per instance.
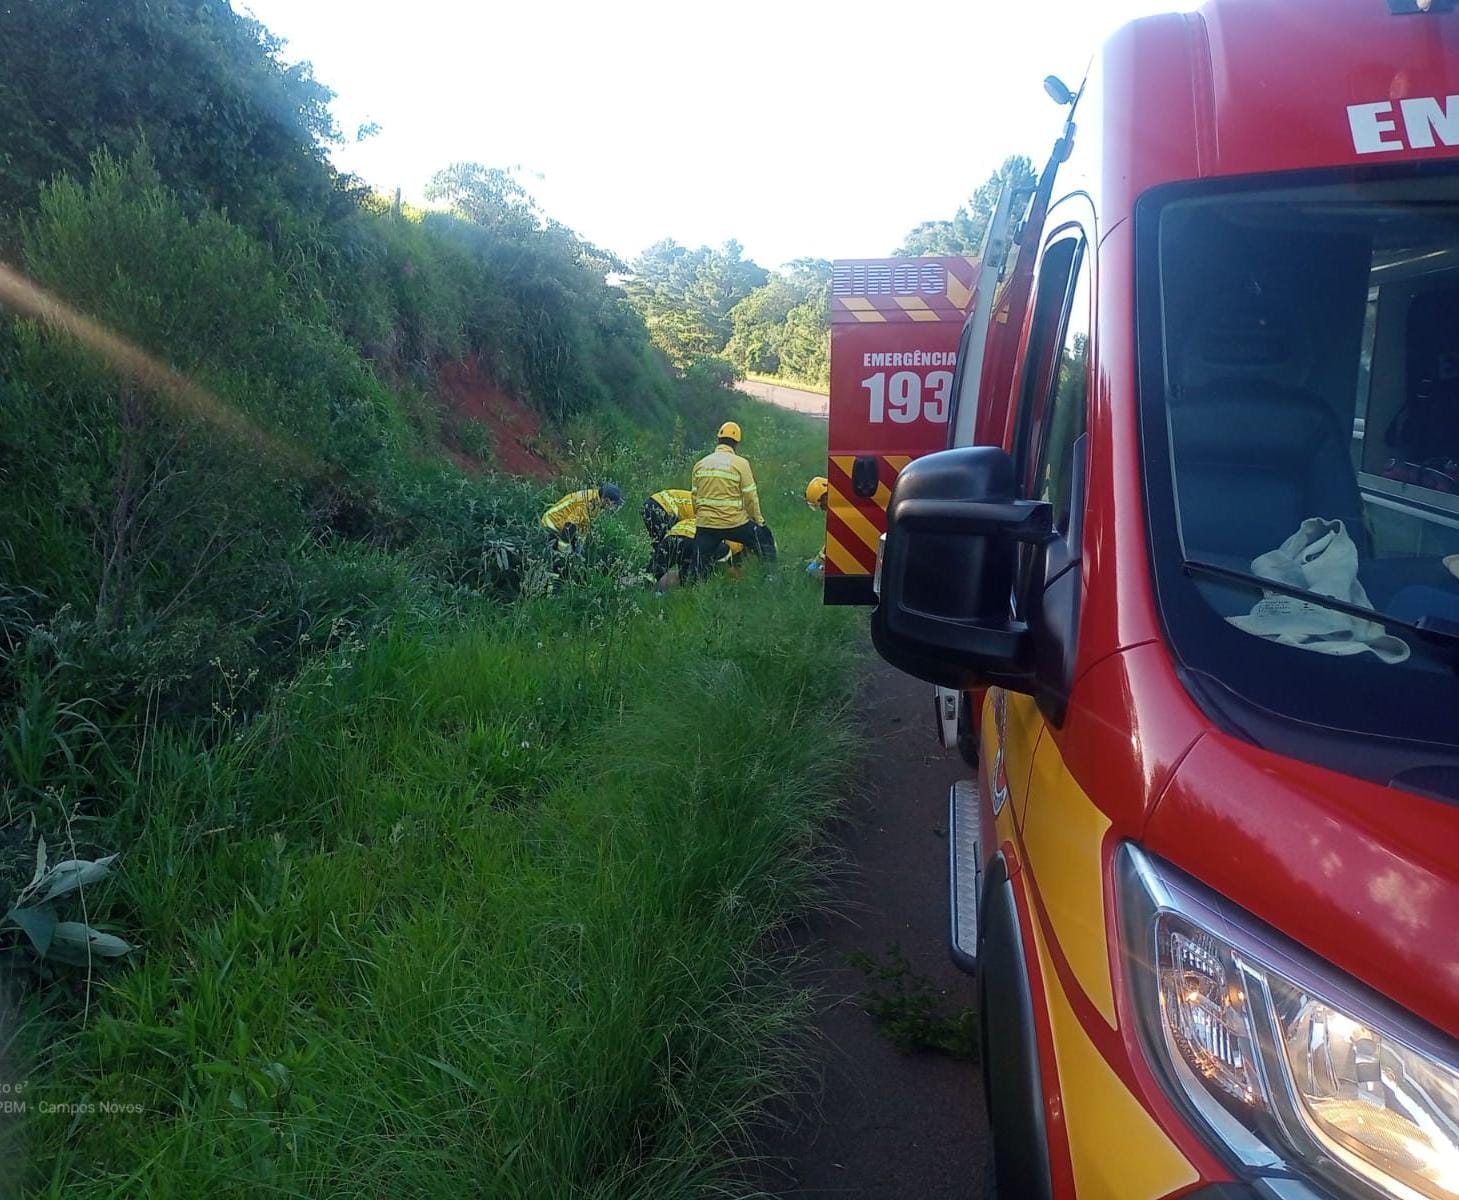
{"type": "Point", "coordinates": [1310, 347]}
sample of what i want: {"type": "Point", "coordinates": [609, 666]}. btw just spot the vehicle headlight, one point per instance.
{"type": "Point", "coordinates": [1290, 1065]}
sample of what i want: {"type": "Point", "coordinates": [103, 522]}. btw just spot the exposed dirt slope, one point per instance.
{"type": "Point", "coordinates": [518, 445]}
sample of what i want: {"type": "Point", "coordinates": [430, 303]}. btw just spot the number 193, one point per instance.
{"type": "Point", "coordinates": [901, 397]}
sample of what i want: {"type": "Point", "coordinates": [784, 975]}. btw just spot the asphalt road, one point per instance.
{"type": "Point", "coordinates": [812, 403]}
{"type": "Point", "coordinates": [878, 1123]}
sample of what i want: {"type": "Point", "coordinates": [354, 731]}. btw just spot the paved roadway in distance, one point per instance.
{"type": "Point", "coordinates": [812, 403]}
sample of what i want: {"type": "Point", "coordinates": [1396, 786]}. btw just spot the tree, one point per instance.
{"type": "Point", "coordinates": [758, 321]}
{"type": "Point", "coordinates": [686, 295]}
{"type": "Point", "coordinates": [963, 233]}
{"type": "Point", "coordinates": [487, 196]}
{"type": "Point", "coordinates": [203, 89]}
{"type": "Point", "coordinates": [960, 235]}
{"type": "Point", "coordinates": [783, 327]}
{"type": "Point", "coordinates": [809, 272]}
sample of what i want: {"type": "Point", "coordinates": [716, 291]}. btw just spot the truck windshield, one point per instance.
{"type": "Point", "coordinates": [1300, 415]}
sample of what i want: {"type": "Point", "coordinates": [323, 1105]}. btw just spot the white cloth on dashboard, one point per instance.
{"type": "Point", "coordinates": [1319, 557]}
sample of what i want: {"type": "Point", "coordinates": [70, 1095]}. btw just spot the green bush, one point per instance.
{"type": "Point", "coordinates": [232, 127]}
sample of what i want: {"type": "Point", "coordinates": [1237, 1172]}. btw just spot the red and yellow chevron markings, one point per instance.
{"type": "Point", "coordinates": [854, 524]}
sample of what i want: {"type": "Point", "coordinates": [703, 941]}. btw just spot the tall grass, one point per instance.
{"type": "Point", "coordinates": [478, 911]}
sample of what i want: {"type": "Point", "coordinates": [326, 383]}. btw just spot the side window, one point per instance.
{"type": "Point", "coordinates": [964, 386]}
{"type": "Point", "coordinates": [1066, 405]}
{"type": "Point", "coordinates": [1050, 304]}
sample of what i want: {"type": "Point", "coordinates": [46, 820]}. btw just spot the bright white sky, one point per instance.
{"type": "Point", "coordinates": [800, 127]}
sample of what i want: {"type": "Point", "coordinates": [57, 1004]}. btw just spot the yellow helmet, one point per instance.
{"type": "Point", "coordinates": [816, 491]}
{"type": "Point", "coordinates": [729, 430]}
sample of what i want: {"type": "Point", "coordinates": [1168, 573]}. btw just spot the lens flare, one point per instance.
{"type": "Point", "coordinates": [182, 395]}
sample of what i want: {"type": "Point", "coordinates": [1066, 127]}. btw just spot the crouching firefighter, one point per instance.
{"type": "Point", "coordinates": [665, 515]}
{"type": "Point", "coordinates": [567, 521]}
{"type": "Point", "coordinates": [727, 504]}
{"type": "Point", "coordinates": [818, 496]}
{"type": "Point", "coordinates": [678, 555]}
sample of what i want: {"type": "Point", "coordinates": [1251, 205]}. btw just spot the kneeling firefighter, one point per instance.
{"type": "Point", "coordinates": [664, 515]}
{"type": "Point", "coordinates": [568, 520]}
{"type": "Point", "coordinates": [727, 503]}
{"type": "Point", "coordinates": [678, 555]}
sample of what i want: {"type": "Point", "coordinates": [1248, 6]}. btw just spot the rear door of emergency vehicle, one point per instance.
{"type": "Point", "coordinates": [895, 325]}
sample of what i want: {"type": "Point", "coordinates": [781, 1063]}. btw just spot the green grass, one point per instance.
{"type": "Point", "coordinates": [911, 1012]}
{"type": "Point", "coordinates": [471, 912]}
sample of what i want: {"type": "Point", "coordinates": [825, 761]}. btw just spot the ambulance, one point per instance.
{"type": "Point", "coordinates": [1208, 570]}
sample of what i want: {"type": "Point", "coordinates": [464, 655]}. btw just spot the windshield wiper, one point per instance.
{"type": "Point", "coordinates": [1444, 640]}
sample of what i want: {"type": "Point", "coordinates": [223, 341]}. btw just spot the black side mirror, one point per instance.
{"type": "Point", "coordinates": [947, 567]}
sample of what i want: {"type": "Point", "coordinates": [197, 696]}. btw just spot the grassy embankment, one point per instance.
{"type": "Point", "coordinates": [478, 912]}
{"type": "Point", "coordinates": [442, 881]}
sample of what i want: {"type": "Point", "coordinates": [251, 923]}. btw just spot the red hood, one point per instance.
{"type": "Point", "coordinates": [1365, 876]}
{"type": "Point", "coordinates": [1362, 875]}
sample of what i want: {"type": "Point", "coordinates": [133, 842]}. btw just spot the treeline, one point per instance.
{"type": "Point", "coordinates": [962, 233]}
{"type": "Point", "coordinates": [715, 303]}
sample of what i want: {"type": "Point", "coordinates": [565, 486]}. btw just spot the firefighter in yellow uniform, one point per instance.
{"type": "Point", "coordinates": [664, 515]}
{"type": "Point", "coordinates": [727, 503]}
{"type": "Point", "coordinates": [567, 521]}
{"type": "Point", "coordinates": [818, 495]}
{"type": "Point", "coordinates": [678, 554]}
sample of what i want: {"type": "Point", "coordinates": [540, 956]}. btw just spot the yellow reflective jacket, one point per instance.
{"type": "Point", "coordinates": [576, 508]}
{"type": "Point", "coordinates": [677, 502]}
{"type": "Point", "coordinates": [725, 494]}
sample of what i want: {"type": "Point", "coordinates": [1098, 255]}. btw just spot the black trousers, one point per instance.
{"type": "Point", "coordinates": [568, 535]}
{"type": "Point", "coordinates": [674, 551]}
{"type": "Point", "coordinates": [656, 521]}
{"type": "Point", "coordinates": [757, 539]}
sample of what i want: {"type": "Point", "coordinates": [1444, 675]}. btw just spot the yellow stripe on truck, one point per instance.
{"type": "Point", "coordinates": [1063, 837]}
{"type": "Point", "coordinates": [854, 521]}
{"type": "Point", "coordinates": [839, 555]}
{"type": "Point", "coordinates": [957, 291]}
{"type": "Point", "coordinates": [916, 308]}
{"type": "Point", "coordinates": [1117, 1150]}
{"type": "Point", "coordinates": [1025, 725]}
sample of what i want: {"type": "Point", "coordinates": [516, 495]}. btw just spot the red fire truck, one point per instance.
{"type": "Point", "coordinates": [1209, 572]}
{"type": "Point", "coordinates": [895, 324]}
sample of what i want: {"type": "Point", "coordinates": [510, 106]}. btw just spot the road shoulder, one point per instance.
{"type": "Point", "coordinates": [875, 1122]}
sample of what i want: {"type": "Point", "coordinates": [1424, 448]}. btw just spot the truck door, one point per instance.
{"type": "Point", "coordinates": [895, 324]}
{"type": "Point", "coordinates": [1050, 454]}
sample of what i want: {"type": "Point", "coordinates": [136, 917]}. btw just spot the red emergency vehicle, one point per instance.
{"type": "Point", "coordinates": [1209, 878]}
{"type": "Point", "coordinates": [895, 324]}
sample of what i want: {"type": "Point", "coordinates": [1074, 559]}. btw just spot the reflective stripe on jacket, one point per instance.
{"type": "Point", "coordinates": [725, 494]}
{"type": "Point", "coordinates": [677, 502]}
{"type": "Point", "coordinates": [576, 508]}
